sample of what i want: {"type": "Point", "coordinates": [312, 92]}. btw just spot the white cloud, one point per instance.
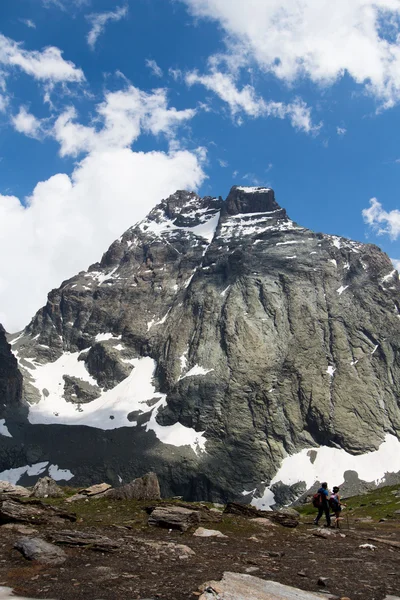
{"type": "Point", "coordinates": [69, 221]}
{"type": "Point", "coordinates": [100, 20]}
{"type": "Point", "coordinates": [124, 115]}
{"type": "Point", "coordinates": [396, 263]}
{"type": "Point", "coordinates": [381, 221]}
{"type": "Point", "coordinates": [341, 131]}
{"type": "Point", "coordinates": [154, 67]}
{"type": "Point", "coordinates": [29, 23]}
{"type": "Point", "coordinates": [223, 163]}
{"type": "Point", "coordinates": [318, 39]}
{"type": "Point", "coordinates": [3, 103]}
{"type": "Point", "coordinates": [25, 122]}
{"type": "Point", "coordinates": [47, 65]}
{"type": "Point", "coordinates": [246, 100]}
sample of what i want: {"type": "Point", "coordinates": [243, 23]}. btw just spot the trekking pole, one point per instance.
{"type": "Point", "coordinates": [348, 525]}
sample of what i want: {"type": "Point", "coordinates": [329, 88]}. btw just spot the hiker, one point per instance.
{"type": "Point", "coordinates": [323, 504]}
{"type": "Point", "coordinates": [336, 504]}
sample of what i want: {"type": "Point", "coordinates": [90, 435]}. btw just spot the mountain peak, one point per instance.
{"type": "Point", "coordinates": [242, 200]}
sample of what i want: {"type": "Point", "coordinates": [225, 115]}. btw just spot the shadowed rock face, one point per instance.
{"type": "Point", "coordinates": [265, 336]}
{"type": "Point", "coordinates": [10, 377]}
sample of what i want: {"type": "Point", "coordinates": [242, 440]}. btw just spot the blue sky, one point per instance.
{"type": "Point", "coordinates": [106, 107]}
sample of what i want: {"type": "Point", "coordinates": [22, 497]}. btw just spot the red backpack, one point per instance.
{"type": "Point", "coordinates": [317, 500]}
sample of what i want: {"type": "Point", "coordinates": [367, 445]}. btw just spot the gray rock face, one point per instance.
{"type": "Point", "coordinates": [8, 489]}
{"type": "Point", "coordinates": [40, 551]}
{"type": "Point", "coordinates": [259, 336]}
{"type": "Point", "coordinates": [174, 517]}
{"type": "Point", "coordinates": [10, 377]}
{"type": "Point", "coordinates": [46, 487]}
{"type": "Point", "coordinates": [143, 488]}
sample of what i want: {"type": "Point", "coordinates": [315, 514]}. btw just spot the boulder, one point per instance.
{"type": "Point", "coordinates": [262, 521]}
{"type": "Point", "coordinates": [13, 490]}
{"type": "Point", "coordinates": [89, 540]}
{"type": "Point", "coordinates": [40, 551]}
{"type": "Point", "coordinates": [143, 488]}
{"type": "Point", "coordinates": [95, 490]}
{"type": "Point", "coordinates": [168, 548]}
{"type": "Point", "coordinates": [174, 517]}
{"type": "Point", "coordinates": [31, 512]}
{"type": "Point", "coordinates": [240, 585]}
{"type": "Point", "coordinates": [46, 487]}
{"type": "Point", "coordinates": [201, 532]}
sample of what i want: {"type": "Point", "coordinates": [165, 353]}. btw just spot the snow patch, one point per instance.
{"type": "Point", "coordinates": [330, 464]}
{"type": "Point", "coordinates": [253, 190]}
{"type": "Point", "coordinates": [289, 242]}
{"type": "Point", "coordinates": [103, 337]}
{"type": "Point", "coordinates": [60, 474]}
{"type": "Point", "coordinates": [14, 475]}
{"type": "Point", "coordinates": [389, 276]}
{"type": "Point", "coordinates": [342, 289]}
{"type": "Point", "coordinates": [111, 409]}
{"type": "Point", "coordinates": [330, 370]}
{"type": "Point", "coordinates": [196, 370]}
{"type": "Point", "coordinates": [333, 261]}
{"type": "Point", "coordinates": [3, 428]}
{"type": "Point", "coordinates": [225, 290]}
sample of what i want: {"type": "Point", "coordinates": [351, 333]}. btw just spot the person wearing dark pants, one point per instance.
{"type": "Point", "coordinates": [324, 505]}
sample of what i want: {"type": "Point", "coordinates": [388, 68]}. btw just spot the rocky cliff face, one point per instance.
{"type": "Point", "coordinates": [10, 378]}
{"type": "Point", "coordinates": [213, 339]}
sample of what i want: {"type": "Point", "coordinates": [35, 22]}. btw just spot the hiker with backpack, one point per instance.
{"type": "Point", "coordinates": [336, 504]}
{"type": "Point", "coordinates": [320, 501]}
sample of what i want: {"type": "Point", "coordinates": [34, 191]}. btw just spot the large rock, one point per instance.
{"type": "Point", "coordinates": [95, 490]}
{"type": "Point", "coordinates": [143, 488]}
{"type": "Point", "coordinates": [12, 511]}
{"type": "Point", "coordinates": [46, 487]}
{"type": "Point", "coordinates": [174, 517]}
{"type": "Point", "coordinates": [9, 489]}
{"type": "Point", "coordinates": [84, 539]}
{"type": "Point", "coordinates": [238, 586]}
{"type": "Point", "coordinates": [40, 551]}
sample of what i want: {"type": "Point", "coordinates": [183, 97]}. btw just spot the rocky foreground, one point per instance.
{"type": "Point", "coordinates": [97, 547]}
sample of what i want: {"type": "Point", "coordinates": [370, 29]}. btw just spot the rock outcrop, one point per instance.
{"type": "Point", "coordinates": [46, 487]}
{"type": "Point", "coordinates": [213, 339]}
{"type": "Point", "coordinates": [142, 488]}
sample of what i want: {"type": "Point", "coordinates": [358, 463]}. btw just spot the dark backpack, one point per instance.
{"type": "Point", "coordinates": [334, 504]}
{"type": "Point", "coordinates": [317, 500]}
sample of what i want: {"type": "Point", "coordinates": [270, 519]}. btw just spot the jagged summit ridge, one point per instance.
{"type": "Point", "coordinates": [222, 332]}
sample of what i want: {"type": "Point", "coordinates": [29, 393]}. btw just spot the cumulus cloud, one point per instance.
{"type": "Point", "coordinates": [25, 122]}
{"type": "Point", "coordinates": [381, 221]}
{"type": "Point", "coordinates": [99, 22]}
{"type": "Point", "coordinates": [124, 115]}
{"type": "Point", "coordinates": [154, 68]}
{"type": "Point", "coordinates": [246, 100]}
{"type": "Point", "coordinates": [69, 220]}
{"type": "Point", "coordinates": [47, 65]}
{"type": "Point", "coordinates": [318, 39]}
